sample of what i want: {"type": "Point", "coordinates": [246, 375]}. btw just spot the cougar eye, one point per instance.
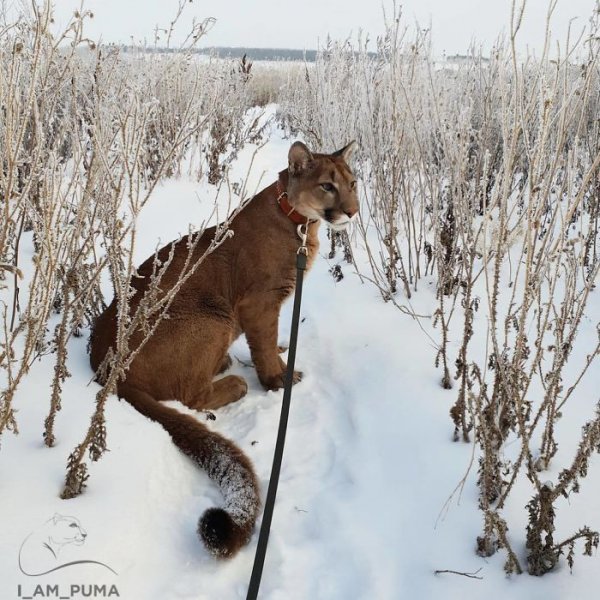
{"type": "Point", "coordinates": [353, 185]}
{"type": "Point", "coordinates": [327, 187]}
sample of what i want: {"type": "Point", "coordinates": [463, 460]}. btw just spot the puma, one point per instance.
{"type": "Point", "coordinates": [239, 288]}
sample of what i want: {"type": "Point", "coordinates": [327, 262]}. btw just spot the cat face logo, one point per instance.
{"type": "Point", "coordinates": [63, 531]}
{"type": "Point", "coordinates": [41, 549]}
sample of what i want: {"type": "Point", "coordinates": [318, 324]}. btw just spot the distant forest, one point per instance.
{"type": "Point", "coordinates": [273, 54]}
{"type": "Point", "coordinates": [267, 54]}
{"type": "Point", "coordinates": [261, 53]}
{"type": "Point", "coordinates": [280, 54]}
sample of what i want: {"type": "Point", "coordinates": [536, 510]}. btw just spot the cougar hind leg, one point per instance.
{"type": "Point", "coordinates": [219, 393]}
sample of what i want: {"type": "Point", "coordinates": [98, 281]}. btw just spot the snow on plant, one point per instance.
{"type": "Point", "coordinates": [484, 174]}
{"type": "Point", "coordinates": [87, 132]}
{"type": "Point", "coordinates": [37, 152]}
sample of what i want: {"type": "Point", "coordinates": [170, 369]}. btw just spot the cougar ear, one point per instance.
{"type": "Point", "coordinates": [347, 151]}
{"type": "Point", "coordinates": [299, 158]}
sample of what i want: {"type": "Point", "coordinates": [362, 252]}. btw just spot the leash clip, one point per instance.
{"type": "Point", "coordinates": [302, 231]}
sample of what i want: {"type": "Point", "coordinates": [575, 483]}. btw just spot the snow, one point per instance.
{"type": "Point", "coordinates": [369, 464]}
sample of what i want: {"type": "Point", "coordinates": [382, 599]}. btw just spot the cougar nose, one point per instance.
{"type": "Point", "coordinates": [350, 212]}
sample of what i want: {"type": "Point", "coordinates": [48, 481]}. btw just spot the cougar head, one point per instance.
{"type": "Point", "coordinates": [322, 186]}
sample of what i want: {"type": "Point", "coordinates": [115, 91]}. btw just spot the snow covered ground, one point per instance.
{"type": "Point", "coordinates": [368, 466]}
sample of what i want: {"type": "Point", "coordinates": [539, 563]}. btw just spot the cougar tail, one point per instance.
{"type": "Point", "coordinates": [223, 530]}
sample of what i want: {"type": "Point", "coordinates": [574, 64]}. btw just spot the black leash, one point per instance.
{"type": "Point", "coordinates": [263, 538]}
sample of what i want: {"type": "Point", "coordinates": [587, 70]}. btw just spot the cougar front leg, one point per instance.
{"type": "Point", "coordinates": [260, 324]}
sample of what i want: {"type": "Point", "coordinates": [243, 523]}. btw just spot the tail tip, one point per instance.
{"type": "Point", "coordinates": [220, 534]}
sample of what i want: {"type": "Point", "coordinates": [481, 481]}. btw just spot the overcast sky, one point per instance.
{"type": "Point", "coordinates": [304, 24]}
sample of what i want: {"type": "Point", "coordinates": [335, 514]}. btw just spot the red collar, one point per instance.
{"type": "Point", "coordinates": [290, 212]}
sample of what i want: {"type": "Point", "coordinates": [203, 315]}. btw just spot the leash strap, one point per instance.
{"type": "Point", "coordinates": [263, 538]}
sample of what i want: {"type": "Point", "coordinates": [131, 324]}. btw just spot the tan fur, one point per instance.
{"type": "Point", "coordinates": [238, 289]}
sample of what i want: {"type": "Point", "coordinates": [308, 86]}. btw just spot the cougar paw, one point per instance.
{"type": "Point", "coordinates": [278, 382]}
{"type": "Point", "coordinates": [236, 386]}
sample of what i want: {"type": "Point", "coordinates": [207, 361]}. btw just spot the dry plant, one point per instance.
{"type": "Point", "coordinates": [40, 158]}
{"type": "Point", "coordinates": [87, 132]}
{"type": "Point", "coordinates": [234, 118]}
{"type": "Point", "coordinates": [483, 175]}
{"type": "Point", "coordinates": [537, 286]}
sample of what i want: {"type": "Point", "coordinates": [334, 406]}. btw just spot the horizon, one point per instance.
{"type": "Point", "coordinates": [454, 29]}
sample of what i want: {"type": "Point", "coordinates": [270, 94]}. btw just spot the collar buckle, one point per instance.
{"type": "Point", "coordinates": [290, 212]}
